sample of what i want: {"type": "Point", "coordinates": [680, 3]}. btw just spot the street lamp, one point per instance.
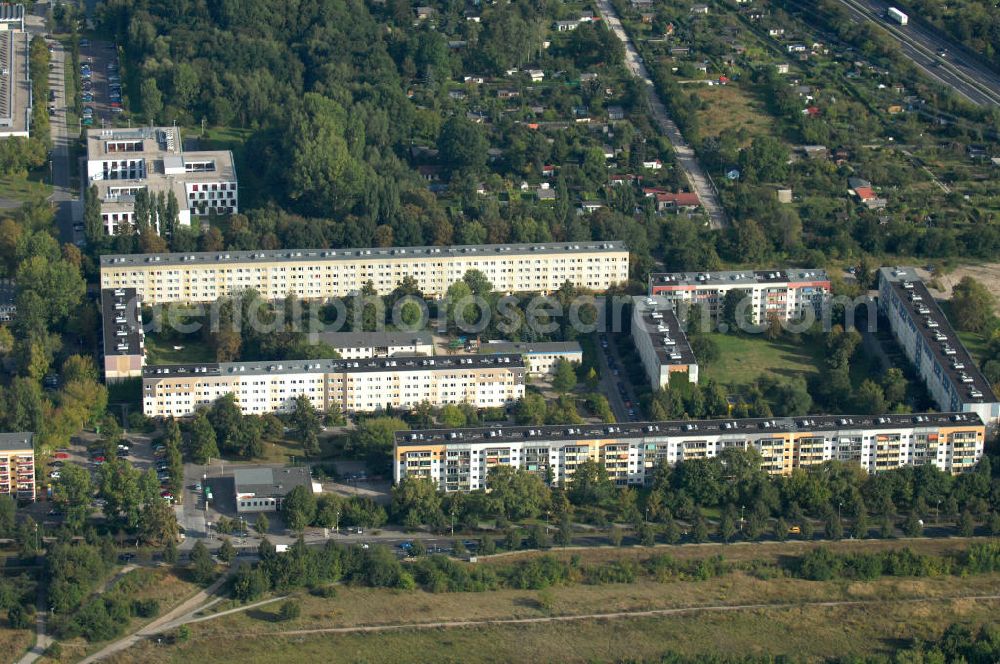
{"type": "Point", "coordinates": [937, 512]}
{"type": "Point", "coordinates": [742, 507]}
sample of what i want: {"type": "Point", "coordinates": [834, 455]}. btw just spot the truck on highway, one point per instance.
{"type": "Point", "coordinates": [897, 16]}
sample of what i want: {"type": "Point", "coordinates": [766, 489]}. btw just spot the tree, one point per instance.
{"type": "Point", "coordinates": [564, 536]}
{"type": "Point", "coordinates": [290, 610]}
{"type": "Point", "coordinates": [74, 491]}
{"type": "Point", "coordinates": [93, 224]}
{"type": "Point", "coordinates": [452, 416]}
{"type": "Point", "coordinates": [833, 526]}
{"type": "Point", "coordinates": [487, 546]}
{"type": "Point", "coordinates": [912, 526]}
{"type": "Point", "coordinates": [966, 524]}
{"type": "Point", "coordinates": [170, 552]}
{"type": "Point", "coordinates": [462, 145]}
{"type": "Point", "coordinates": [203, 441]}
{"type": "Point", "coordinates": [531, 409]}
{"type": "Point", "coordinates": [373, 439]}
{"type": "Point", "coordinates": [972, 305]}
{"type": "Point", "coordinates": [262, 524]}
{"type": "Point", "coordinates": [564, 379]}
{"type": "Point", "coordinates": [299, 508]}
{"type": "Point", "coordinates": [727, 525]}
{"type": "Point", "coordinates": [861, 525]}
{"type": "Point", "coordinates": [780, 529]}
{"type": "Point", "coordinates": [227, 552]}
{"type": "Point", "coordinates": [894, 385]}
{"type": "Point", "coordinates": [870, 398]}
{"type": "Point", "coordinates": [699, 529]}
{"type": "Point", "coordinates": [591, 484]}
{"type": "Point", "coordinates": [307, 422]}
{"type": "Point", "coordinates": [616, 535]}
{"type": "Point", "coordinates": [151, 99]}
{"type": "Point", "coordinates": [202, 566]}
{"type": "Point", "coordinates": [158, 522]}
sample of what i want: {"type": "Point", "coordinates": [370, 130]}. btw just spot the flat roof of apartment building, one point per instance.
{"type": "Point", "coordinates": [692, 428]}
{"type": "Point", "coordinates": [529, 347]}
{"type": "Point", "coordinates": [947, 349]}
{"type": "Point", "coordinates": [195, 259]}
{"type": "Point", "coordinates": [17, 442]}
{"type": "Point", "coordinates": [371, 365]}
{"type": "Point", "coordinates": [15, 82]}
{"type": "Point", "coordinates": [664, 330]}
{"type": "Point", "coordinates": [376, 339]}
{"type": "Point", "coordinates": [738, 277]}
{"type": "Point", "coordinates": [122, 330]}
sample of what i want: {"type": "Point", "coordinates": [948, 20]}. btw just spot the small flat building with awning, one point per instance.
{"type": "Point", "coordinates": [263, 489]}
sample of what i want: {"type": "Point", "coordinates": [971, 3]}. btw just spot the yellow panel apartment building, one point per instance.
{"type": "Point", "coordinates": [17, 465]}
{"type": "Point", "coordinates": [460, 459]}
{"type": "Point", "coordinates": [326, 273]}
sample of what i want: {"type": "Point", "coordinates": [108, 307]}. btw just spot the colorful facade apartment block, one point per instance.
{"type": "Point", "coordinates": [460, 459]}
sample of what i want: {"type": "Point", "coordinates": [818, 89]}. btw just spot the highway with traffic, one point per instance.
{"type": "Point", "coordinates": [937, 56]}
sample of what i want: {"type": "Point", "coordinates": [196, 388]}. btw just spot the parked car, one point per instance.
{"type": "Point", "coordinates": [61, 455]}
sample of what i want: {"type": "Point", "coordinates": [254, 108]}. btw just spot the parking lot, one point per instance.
{"type": "Point", "coordinates": [102, 89]}
{"type": "Point", "coordinates": [137, 450]}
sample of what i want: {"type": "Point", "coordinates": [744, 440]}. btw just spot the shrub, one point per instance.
{"type": "Point", "coordinates": [290, 610]}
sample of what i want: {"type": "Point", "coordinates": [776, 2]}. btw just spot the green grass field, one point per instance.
{"type": "Point", "coordinates": [17, 189]}
{"type": "Point", "coordinates": [744, 358]}
{"type": "Point", "coordinates": [161, 351]}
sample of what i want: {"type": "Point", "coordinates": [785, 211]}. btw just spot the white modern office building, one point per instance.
{"type": "Point", "coordinates": [121, 162]}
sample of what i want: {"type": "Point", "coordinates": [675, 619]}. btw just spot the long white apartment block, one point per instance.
{"type": "Point", "coordinates": [325, 273]}
{"type": "Point", "coordinates": [120, 162]}
{"type": "Point", "coordinates": [662, 344]}
{"type": "Point", "coordinates": [785, 293]}
{"type": "Point", "coordinates": [351, 385]}
{"type": "Point", "coordinates": [461, 459]}
{"type": "Point", "coordinates": [929, 341]}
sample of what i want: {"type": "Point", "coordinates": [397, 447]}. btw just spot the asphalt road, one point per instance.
{"type": "Point", "coordinates": [62, 194]}
{"type": "Point", "coordinates": [958, 69]}
{"type": "Point", "coordinates": [685, 156]}
{"type": "Point", "coordinates": [609, 381]}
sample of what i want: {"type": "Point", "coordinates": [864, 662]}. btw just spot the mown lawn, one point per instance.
{"type": "Point", "coordinates": [744, 358]}
{"type": "Point", "coordinates": [18, 189]}
{"type": "Point", "coordinates": [161, 351]}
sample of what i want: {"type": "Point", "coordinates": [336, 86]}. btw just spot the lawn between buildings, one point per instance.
{"type": "Point", "coordinates": [743, 359]}
{"type": "Point", "coordinates": [891, 608]}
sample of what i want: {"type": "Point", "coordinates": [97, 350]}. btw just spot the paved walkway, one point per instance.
{"type": "Point", "coordinates": [686, 159]}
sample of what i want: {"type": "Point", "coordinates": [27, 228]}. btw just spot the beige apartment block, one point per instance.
{"type": "Point", "coordinates": [313, 274]}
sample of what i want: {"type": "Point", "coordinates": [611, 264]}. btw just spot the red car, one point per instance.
{"type": "Point", "coordinates": [98, 459]}
{"type": "Point", "coordinates": [61, 455]}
